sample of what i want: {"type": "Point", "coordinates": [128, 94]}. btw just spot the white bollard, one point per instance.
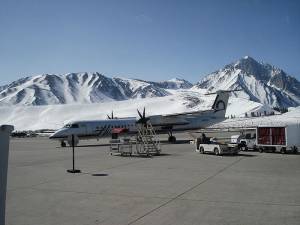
{"type": "Point", "coordinates": [5, 131]}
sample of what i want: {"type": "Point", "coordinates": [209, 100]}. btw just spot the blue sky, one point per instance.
{"type": "Point", "coordinates": [152, 40]}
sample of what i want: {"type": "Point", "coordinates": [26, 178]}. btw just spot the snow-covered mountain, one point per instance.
{"type": "Point", "coordinates": [259, 82]}
{"type": "Point", "coordinates": [55, 116]}
{"type": "Point", "coordinates": [81, 88]}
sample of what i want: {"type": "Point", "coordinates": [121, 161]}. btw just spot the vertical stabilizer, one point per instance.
{"type": "Point", "coordinates": [221, 102]}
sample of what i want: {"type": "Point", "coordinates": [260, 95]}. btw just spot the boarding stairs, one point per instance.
{"type": "Point", "coordinates": [147, 141]}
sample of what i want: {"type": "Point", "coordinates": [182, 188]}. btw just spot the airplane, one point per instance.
{"type": "Point", "coordinates": [161, 123]}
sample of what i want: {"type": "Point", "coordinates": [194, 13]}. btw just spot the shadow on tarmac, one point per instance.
{"type": "Point", "coordinates": [107, 144]}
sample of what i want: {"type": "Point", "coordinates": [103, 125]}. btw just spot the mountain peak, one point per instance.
{"type": "Point", "coordinates": [177, 83]}
{"type": "Point", "coordinates": [260, 82]}
{"type": "Point", "coordinates": [246, 60]}
{"type": "Point", "coordinates": [175, 79]}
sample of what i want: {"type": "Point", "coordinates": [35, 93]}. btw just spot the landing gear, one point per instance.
{"type": "Point", "coordinates": [172, 139]}
{"type": "Point", "coordinates": [63, 144]}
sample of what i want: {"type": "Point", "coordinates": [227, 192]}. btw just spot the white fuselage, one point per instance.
{"type": "Point", "coordinates": [103, 128]}
{"type": "Point", "coordinates": [161, 123]}
{"type": "Point", "coordinates": [94, 128]}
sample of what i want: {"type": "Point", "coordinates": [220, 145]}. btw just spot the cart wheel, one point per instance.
{"type": "Point", "coordinates": [295, 150]}
{"type": "Point", "coordinates": [216, 151]}
{"type": "Point", "coordinates": [282, 150]}
{"type": "Point", "coordinates": [201, 150]}
{"type": "Point", "coordinates": [261, 150]}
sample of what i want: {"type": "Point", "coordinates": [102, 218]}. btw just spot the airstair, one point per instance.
{"type": "Point", "coordinates": [147, 141]}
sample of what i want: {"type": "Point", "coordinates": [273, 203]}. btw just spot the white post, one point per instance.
{"type": "Point", "coordinates": [5, 131]}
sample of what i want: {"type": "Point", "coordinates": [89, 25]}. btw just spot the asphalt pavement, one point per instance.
{"type": "Point", "coordinates": [179, 187]}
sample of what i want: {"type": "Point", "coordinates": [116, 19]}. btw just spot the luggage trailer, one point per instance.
{"type": "Point", "coordinates": [278, 138]}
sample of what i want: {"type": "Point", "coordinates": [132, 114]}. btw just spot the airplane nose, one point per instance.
{"type": "Point", "coordinates": [52, 136]}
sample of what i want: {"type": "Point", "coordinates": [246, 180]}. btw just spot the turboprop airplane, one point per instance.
{"type": "Point", "coordinates": [161, 123]}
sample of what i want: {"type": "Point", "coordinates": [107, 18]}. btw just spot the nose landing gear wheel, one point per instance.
{"type": "Point", "coordinates": [63, 144]}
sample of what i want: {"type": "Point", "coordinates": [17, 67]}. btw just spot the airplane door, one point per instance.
{"type": "Point", "coordinates": [84, 129]}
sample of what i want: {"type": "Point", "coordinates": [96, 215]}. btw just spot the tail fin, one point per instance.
{"type": "Point", "coordinates": [221, 102]}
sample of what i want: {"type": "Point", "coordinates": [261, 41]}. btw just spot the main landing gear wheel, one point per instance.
{"type": "Point", "coordinates": [172, 139]}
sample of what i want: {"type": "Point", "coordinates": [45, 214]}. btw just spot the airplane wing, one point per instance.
{"type": "Point", "coordinates": [169, 124]}
{"type": "Point", "coordinates": [168, 121]}
{"type": "Point", "coordinates": [187, 113]}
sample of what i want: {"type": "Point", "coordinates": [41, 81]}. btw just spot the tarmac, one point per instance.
{"type": "Point", "coordinates": [180, 187]}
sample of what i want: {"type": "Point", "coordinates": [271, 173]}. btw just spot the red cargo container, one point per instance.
{"type": "Point", "coordinates": [271, 135]}
{"type": "Point", "coordinates": [278, 138]}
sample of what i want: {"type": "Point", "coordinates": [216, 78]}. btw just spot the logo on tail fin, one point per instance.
{"type": "Point", "coordinates": [220, 105]}
{"type": "Point", "coordinates": [221, 101]}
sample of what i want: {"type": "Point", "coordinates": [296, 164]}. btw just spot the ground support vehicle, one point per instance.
{"type": "Point", "coordinates": [122, 147]}
{"type": "Point", "coordinates": [245, 142]}
{"type": "Point", "coordinates": [216, 148]}
{"type": "Point", "coordinates": [278, 138]}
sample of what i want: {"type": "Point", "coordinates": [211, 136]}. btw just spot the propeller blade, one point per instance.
{"type": "Point", "coordinates": [143, 119]}
{"type": "Point", "coordinates": [110, 117]}
{"type": "Point", "coordinates": [139, 113]}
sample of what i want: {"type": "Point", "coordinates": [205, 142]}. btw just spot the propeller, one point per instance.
{"type": "Point", "coordinates": [111, 116]}
{"type": "Point", "coordinates": [143, 119]}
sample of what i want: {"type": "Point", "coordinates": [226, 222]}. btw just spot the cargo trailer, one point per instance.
{"type": "Point", "coordinates": [278, 138]}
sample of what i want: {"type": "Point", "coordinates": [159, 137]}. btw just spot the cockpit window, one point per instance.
{"type": "Point", "coordinates": [67, 126]}
{"type": "Point", "coordinates": [74, 125]}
